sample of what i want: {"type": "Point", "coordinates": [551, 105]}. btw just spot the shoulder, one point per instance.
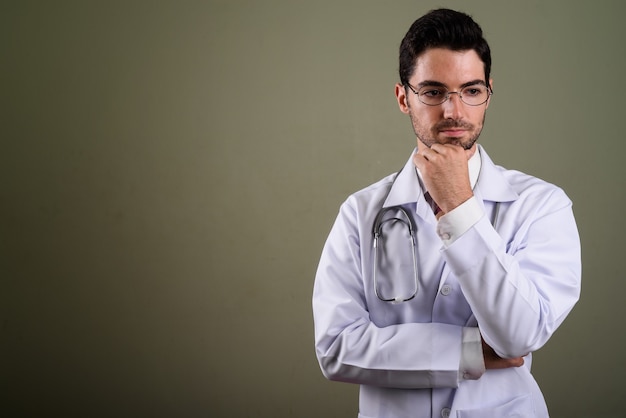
{"type": "Point", "coordinates": [533, 189]}
{"type": "Point", "coordinates": [380, 187]}
{"type": "Point", "coordinates": [366, 202]}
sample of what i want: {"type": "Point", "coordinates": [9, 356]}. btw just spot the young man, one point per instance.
{"type": "Point", "coordinates": [437, 283]}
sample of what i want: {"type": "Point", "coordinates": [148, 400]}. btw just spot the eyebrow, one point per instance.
{"type": "Point", "coordinates": [433, 83]}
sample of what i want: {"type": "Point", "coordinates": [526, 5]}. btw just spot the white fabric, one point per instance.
{"type": "Point", "coordinates": [516, 284]}
{"type": "Point", "coordinates": [459, 220]}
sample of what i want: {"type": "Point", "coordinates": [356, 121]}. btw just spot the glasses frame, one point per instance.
{"type": "Point", "coordinates": [447, 97]}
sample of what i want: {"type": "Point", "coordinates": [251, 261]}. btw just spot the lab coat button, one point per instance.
{"type": "Point", "coordinates": [445, 412]}
{"type": "Point", "coordinates": [445, 290]}
{"type": "Point", "coordinates": [445, 236]}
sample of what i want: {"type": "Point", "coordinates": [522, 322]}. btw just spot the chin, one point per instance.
{"type": "Point", "coordinates": [453, 141]}
{"type": "Point", "coordinates": [465, 143]}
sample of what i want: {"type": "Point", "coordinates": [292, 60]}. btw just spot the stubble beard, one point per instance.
{"type": "Point", "coordinates": [429, 138]}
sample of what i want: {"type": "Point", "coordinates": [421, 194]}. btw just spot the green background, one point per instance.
{"type": "Point", "coordinates": [170, 170]}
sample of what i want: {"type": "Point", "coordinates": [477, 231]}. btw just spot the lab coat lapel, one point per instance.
{"type": "Point", "coordinates": [492, 185]}
{"type": "Point", "coordinates": [407, 189]}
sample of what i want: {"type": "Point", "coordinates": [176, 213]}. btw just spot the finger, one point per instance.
{"type": "Point", "coordinates": [428, 153]}
{"type": "Point", "coordinates": [517, 362]}
{"type": "Point", "coordinates": [448, 149]}
{"type": "Point", "coordinates": [436, 151]}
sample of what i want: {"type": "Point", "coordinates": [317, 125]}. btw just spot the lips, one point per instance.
{"type": "Point", "coordinates": [453, 124]}
{"type": "Point", "coordinates": [453, 132]}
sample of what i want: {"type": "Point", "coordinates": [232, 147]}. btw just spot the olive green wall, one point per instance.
{"type": "Point", "coordinates": [170, 169]}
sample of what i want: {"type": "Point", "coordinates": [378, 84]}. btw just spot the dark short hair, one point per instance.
{"type": "Point", "coordinates": [442, 28]}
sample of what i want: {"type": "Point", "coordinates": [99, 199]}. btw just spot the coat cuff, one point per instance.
{"type": "Point", "coordinates": [472, 365]}
{"type": "Point", "coordinates": [459, 220]}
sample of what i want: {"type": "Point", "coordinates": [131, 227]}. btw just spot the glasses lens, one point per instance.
{"type": "Point", "coordinates": [432, 96]}
{"type": "Point", "coordinates": [475, 95]}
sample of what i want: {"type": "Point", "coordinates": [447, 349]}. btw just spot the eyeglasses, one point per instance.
{"type": "Point", "coordinates": [473, 95]}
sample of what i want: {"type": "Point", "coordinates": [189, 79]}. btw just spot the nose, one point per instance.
{"type": "Point", "coordinates": [453, 106]}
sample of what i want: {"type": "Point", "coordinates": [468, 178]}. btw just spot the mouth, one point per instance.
{"type": "Point", "coordinates": [453, 132]}
{"type": "Point", "coordinates": [453, 128]}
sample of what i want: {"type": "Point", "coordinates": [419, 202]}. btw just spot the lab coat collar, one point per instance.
{"type": "Point", "coordinates": [491, 184]}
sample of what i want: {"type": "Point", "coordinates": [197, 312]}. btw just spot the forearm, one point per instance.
{"type": "Point", "coordinates": [400, 356]}
{"type": "Point", "coordinates": [520, 296]}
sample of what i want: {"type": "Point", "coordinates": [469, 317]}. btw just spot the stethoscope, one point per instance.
{"type": "Point", "coordinates": [377, 232]}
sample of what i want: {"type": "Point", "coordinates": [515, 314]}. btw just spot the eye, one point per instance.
{"type": "Point", "coordinates": [473, 91]}
{"type": "Point", "coordinates": [432, 93]}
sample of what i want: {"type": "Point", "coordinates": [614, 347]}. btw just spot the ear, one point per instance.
{"type": "Point", "coordinates": [402, 98]}
{"type": "Point", "coordinates": [491, 87]}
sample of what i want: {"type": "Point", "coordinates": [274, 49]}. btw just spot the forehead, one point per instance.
{"type": "Point", "coordinates": [448, 67]}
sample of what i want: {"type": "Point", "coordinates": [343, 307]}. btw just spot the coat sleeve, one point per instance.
{"type": "Point", "coordinates": [521, 289]}
{"type": "Point", "coordinates": [351, 348]}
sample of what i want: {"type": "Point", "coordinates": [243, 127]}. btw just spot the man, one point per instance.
{"type": "Point", "coordinates": [436, 283]}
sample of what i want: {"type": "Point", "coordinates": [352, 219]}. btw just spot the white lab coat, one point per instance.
{"type": "Point", "coordinates": [517, 284]}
